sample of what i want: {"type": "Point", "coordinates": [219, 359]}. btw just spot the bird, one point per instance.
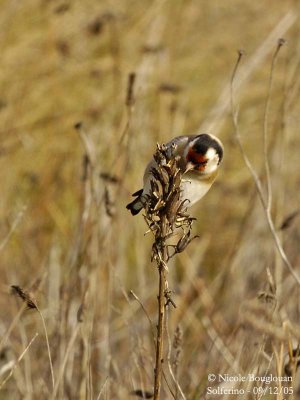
{"type": "Point", "coordinates": [199, 157]}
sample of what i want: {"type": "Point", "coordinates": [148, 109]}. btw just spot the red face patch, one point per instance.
{"type": "Point", "coordinates": [199, 160]}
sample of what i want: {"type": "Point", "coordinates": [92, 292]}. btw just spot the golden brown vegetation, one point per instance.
{"type": "Point", "coordinates": [87, 89]}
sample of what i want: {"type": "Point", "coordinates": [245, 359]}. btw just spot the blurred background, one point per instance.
{"type": "Point", "coordinates": [87, 90]}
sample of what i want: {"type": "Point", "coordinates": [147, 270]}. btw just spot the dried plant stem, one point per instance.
{"type": "Point", "coordinates": [11, 327]}
{"type": "Point", "coordinates": [13, 228]}
{"type": "Point", "coordinates": [48, 346]}
{"type": "Point", "coordinates": [266, 120]}
{"type": "Point", "coordinates": [102, 388]}
{"type": "Point", "coordinates": [147, 315]}
{"type": "Point", "coordinates": [18, 360]}
{"type": "Point", "coordinates": [173, 373]}
{"type": "Point", "coordinates": [256, 179]}
{"type": "Point", "coordinates": [64, 362]}
{"type": "Point", "coordinates": [32, 304]}
{"type": "Point", "coordinates": [165, 212]}
{"type": "Point", "coordinates": [163, 284]}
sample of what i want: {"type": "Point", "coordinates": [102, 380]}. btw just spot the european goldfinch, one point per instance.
{"type": "Point", "coordinates": [199, 159]}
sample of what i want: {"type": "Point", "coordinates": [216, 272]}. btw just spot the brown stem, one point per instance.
{"type": "Point", "coordinates": [161, 310]}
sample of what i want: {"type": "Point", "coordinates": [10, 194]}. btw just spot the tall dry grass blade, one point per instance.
{"type": "Point", "coordinates": [265, 130]}
{"type": "Point", "coordinates": [102, 388]}
{"type": "Point", "coordinates": [18, 361]}
{"type": "Point", "coordinates": [145, 312]}
{"type": "Point", "coordinates": [257, 181]}
{"type": "Point", "coordinates": [64, 362]}
{"type": "Point", "coordinates": [31, 303]}
{"type": "Point", "coordinates": [173, 373]}
{"type": "Point", "coordinates": [13, 228]}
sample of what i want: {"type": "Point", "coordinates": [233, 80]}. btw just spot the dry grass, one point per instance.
{"type": "Point", "coordinates": [66, 237]}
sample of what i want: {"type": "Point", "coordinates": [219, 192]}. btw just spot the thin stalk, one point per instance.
{"type": "Point", "coordinates": [48, 346]}
{"type": "Point", "coordinates": [29, 301]}
{"type": "Point", "coordinates": [161, 312]}
{"type": "Point", "coordinates": [173, 373]}
{"type": "Point", "coordinates": [256, 179]}
{"type": "Point", "coordinates": [18, 361]}
{"type": "Point", "coordinates": [64, 362]}
{"type": "Point", "coordinates": [266, 120]}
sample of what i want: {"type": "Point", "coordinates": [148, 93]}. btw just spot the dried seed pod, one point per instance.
{"type": "Point", "coordinates": [24, 296]}
{"type": "Point", "coordinates": [184, 241]}
{"type": "Point", "coordinates": [172, 206]}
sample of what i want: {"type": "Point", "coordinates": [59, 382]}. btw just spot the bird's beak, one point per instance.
{"type": "Point", "coordinates": [189, 167]}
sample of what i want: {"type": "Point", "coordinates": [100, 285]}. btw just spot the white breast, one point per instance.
{"type": "Point", "coordinates": [194, 190]}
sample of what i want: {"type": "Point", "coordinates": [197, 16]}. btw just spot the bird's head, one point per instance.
{"type": "Point", "coordinates": [204, 154]}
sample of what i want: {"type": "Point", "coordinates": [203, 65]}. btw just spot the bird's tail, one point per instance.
{"type": "Point", "coordinates": [137, 204]}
